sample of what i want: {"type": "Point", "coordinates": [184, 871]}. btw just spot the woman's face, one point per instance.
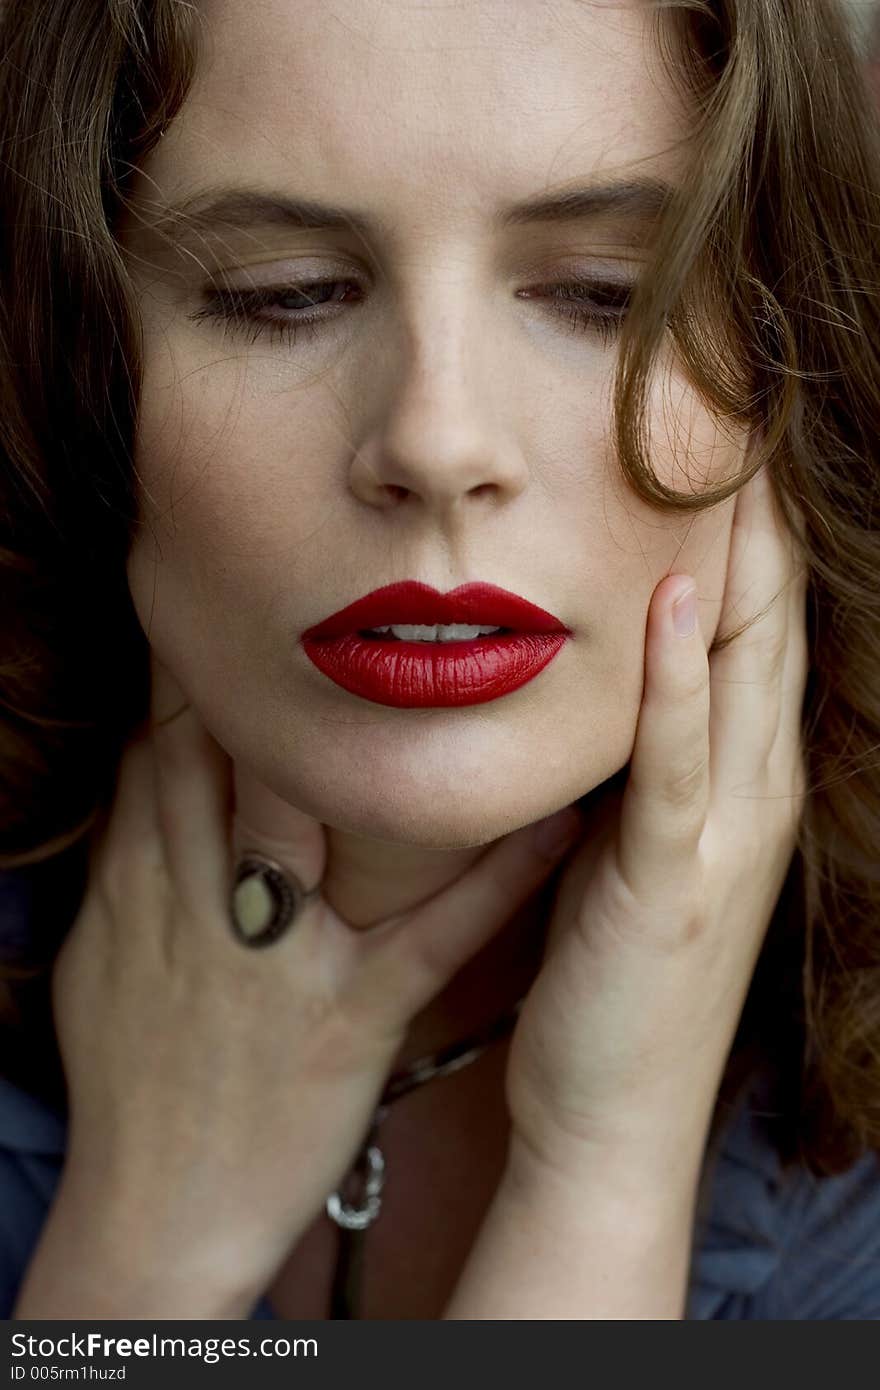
{"type": "Point", "coordinates": [445, 422]}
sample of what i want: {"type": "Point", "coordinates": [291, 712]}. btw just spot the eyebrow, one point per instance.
{"type": "Point", "coordinates": [248, 209]}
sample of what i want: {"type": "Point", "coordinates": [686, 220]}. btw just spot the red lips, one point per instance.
{"type": "Point", "coordinates": [483, 605]}
{"type": "Point", "coordinates": [435, 674]}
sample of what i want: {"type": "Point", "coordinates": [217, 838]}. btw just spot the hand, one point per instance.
{"type": "Point", "coordinates": [218, 1093]}
{"type": "Point", "coordinates": [621, 1043]}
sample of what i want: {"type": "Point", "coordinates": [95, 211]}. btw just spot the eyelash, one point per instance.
{"type": "Point", "coordinates": [238, 309]}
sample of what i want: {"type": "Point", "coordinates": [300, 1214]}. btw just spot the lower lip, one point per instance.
{"type": "Point", "coordinates": [431, 675]}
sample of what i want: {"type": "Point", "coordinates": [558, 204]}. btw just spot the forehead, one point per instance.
{"type": "Point", "coordinates": [455, 102]}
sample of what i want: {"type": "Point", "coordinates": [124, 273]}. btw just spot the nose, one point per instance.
{"type": "Point", "coordinates": [443, 439]}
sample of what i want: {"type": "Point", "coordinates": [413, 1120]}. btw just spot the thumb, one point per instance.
{"type": "Point", "coordinates": [415, 954]}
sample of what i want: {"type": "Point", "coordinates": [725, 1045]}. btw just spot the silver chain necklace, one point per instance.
{"type": "Point", "coordinates": [367, 1174]}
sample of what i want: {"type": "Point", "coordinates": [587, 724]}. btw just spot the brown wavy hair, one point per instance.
{"type": "Point", "coordinates": [766, 271]}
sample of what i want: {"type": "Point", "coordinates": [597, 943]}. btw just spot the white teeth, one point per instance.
{"type": "Point", "coordinates": [451, 632]}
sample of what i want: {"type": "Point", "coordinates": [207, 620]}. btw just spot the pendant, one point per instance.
{"type": "Point", "coordinates": [371, 1162]}
{"type": "Point", "coordinates": [353, 1218]}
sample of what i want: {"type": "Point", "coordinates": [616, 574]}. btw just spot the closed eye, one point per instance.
{"type": "Point", "coordinates": [583, 304]}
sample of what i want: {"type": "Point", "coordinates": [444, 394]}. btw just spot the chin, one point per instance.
{"type": "Point", "coordinates": [428, 831]}
{"type": "Point", "coordinates": [433, 822]}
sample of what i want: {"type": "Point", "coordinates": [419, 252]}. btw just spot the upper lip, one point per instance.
{"type": "Point", "coordinates": [483, 605]}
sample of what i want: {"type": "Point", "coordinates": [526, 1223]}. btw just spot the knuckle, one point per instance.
{"type": "Point", "coordinates": [770, 647]}
{"type": "Point", "coordinates": [694, 685]}
{"type": "Point", "coordinates": [694, 927]}
{"type": "Point", "coordinates": [130, 872]}
{"type": "Point", "coordinates": [683, 789]}
{"type": "Point", "coordinates": [245, 840]}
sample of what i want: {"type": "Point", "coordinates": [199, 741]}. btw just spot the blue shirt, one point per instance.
{"type": "Point", "coordinates": [767, 1244]}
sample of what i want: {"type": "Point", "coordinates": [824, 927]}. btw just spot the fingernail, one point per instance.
{"type": "Point", "coordinates": [684, 613]}
{"type": "Point", "coordinates": [555, 833]}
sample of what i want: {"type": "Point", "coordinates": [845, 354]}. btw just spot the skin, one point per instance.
{"type": "Point", "coordinates": [444, 428]}
{"type": "Point", "coordinates": [614, 1066]}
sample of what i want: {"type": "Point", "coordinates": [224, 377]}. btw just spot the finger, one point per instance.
{"type": "Point", "coordinates": [666, 797]}
{"type": "Point", "coordinates": [757, 682]}
{"type": "Point", "coordinates": [193, 781]}
{"type": "Point", "coordinates": [126, 840]}
{"type": "Point", "coordinates": [212, 811]}
{"type": "Point", "coordinates": [267, 824]}
{"type": "Point", "coordinates": [787, 762]}
{"type": "Point", "coordinates": [413, 956]}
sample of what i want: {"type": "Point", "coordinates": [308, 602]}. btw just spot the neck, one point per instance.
{"type": "Point", "coordinates": [366, 881]}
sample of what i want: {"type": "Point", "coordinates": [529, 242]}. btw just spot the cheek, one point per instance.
{"type": "Point", "coordinates": [230, 472]}
{"type": "Point", "coordinates": [192, 553]}
{"type": "Point", "coordinates": [691, 452]}
{"type": "Point", "coordinates": [255, 455]}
